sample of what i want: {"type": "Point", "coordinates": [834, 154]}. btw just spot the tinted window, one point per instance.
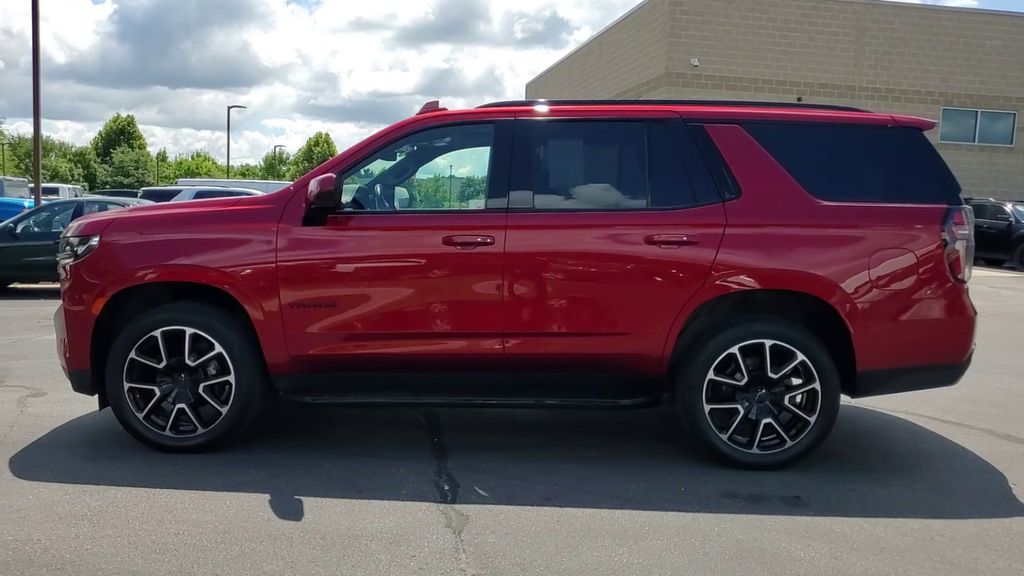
{"type": "Point", "coordinates": [580, 166]}
{"type": "Point", "coordinates": [843, 163]}
{"type": "Point", "coordinates": [982, 211]}
{"type": "Point", "coordinates": [159, 195]}
{"type": "Point", "coordinates": [205, 194]}
{"type": "Point", "coordinates": [50, 191]}
{"type": "Point", "coordinates": [445, 168]}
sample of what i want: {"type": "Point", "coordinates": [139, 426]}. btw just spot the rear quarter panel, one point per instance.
{"type": "Point", "coordinates": [881, 266]}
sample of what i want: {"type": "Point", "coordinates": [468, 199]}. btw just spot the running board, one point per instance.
{"type": "Point", "coordinates": [472, 390]}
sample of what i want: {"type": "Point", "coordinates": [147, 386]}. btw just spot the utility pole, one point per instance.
{"type": "Point", "coordinates": [451, 172]}
{"type": "Point", "coordinates": [230, 108]}
{"type": "Point", "coordinates": [3, 156]}
{"type": "Point", "coordinates": [37, 114]}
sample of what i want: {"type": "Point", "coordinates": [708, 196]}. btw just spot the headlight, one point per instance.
{"type": "Point", "coordinates": [74, 248]}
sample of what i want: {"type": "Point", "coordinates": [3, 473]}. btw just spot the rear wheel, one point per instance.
{"type": "Point", "coordinates": [762, 393]}
{"type": "Point", "coordinates": [184, 377]}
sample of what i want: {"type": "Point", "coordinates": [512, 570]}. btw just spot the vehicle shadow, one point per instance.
{"type": "Point", "coordinates": [874, 465]}
{"type": "Point", "coordinates": [31, 292]}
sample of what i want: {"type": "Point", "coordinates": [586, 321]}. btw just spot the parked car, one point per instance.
{"type": "Point", "coordinates": [265, 186]}
{"type": "Point", "coordinates": [56, 191]}
{"type": "Point", "coordinates": [749, 261]}
{"type": "Point", "coordinates": [999, 229]}
{"type": "Point", "coordinates": [160, 194]}
{"type": "Point", "coordinates": [14, 197]}
{"type": "Point", "coordinates": [116, 193]}
{"type": "Point", "coordinates": [29, 242]}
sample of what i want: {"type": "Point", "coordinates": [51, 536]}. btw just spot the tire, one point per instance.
{"type": "Point", "coordinates": [176, 404]}
{"type": "Point", "coordinates": [1018, 258]}
{"type": "Point", "coordinates": [995, 262]}
{"type": "Point", "coordinates": [728, 424]}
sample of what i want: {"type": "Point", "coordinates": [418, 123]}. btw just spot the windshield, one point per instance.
{"type": "Point", "coordinates": [1018, 209]}
{"type": "Point", "coordinates": [51, 192]}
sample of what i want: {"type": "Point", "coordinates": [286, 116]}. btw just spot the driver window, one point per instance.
{"type": "Point", "coordinates": [53, 218]}
{"type": "Point", "coordinates": [442, 168]}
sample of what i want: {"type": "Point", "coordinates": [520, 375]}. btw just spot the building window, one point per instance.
{"type": "Point", "coordinates": [966, 126]}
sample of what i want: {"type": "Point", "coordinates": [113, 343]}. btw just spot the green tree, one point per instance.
{"type": "Point", "coordinates": [129, 168]}
{"type": "Point", "coordinates": [121, 131]}
{"type": "Point", "coordinates": [92, 173]}
{"type": "Point", "coordinates": [274, 165]}
{"type": "Point", "coordinates": [317, 150]}
{"type": "Point", "coordinates": [196, 165]}
{"type": "Point", "coordinates": [246, 172]}
{"type": "Point", "coordinates": [472, 188]}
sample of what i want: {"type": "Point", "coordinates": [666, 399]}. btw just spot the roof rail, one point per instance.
{"type": "Point", "coordinates": [746, 103]}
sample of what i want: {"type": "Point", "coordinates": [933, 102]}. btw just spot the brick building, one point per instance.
{"type": "Point", "coordinates": [964, 67]}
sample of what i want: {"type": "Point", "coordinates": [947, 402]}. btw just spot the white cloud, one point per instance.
{"type": "Point", "coordinates": [337, 65]}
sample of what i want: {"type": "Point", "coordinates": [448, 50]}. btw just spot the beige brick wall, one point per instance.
{"type": "Point", "coordinates": [887, 57]}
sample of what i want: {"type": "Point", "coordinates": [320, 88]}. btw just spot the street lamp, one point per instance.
{"type": "Point", "coordinates": [37, 111]}
{"type": "Point", "coordinates": [276, 146]}
{"type": "Point", "coordinates": [230, 108]}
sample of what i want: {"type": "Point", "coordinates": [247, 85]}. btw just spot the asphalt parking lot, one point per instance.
{"type": "Point", "coordinates": [924, 483]}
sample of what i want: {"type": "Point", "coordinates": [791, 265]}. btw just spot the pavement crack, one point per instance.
{"type": "Point", "coordinates": [444, 481]}
{"type": "Point", "coordinates": [447, 486]}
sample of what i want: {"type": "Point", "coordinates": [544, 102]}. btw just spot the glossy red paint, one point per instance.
{"type": "Point", "coordinates": [587, 292]}
{"type": "Point", "coordinates": [535, 291]}
{"type": "Point", "coordinates": [781, 238]}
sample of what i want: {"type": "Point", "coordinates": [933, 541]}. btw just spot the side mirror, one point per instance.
{"type": "Point", "coordinates": [9, 230]}
{"type": "Point", "coordinates": [324, 192]}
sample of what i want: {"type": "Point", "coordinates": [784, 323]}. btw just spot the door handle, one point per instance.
{"type": "Point", "coordinates": [467, 241]}
{"type": "Point", "coordinates": [671, 240]}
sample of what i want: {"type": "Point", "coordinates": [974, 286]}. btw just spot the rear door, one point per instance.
{"type": "Point", "coordinates": [405, 276]}
{"type": "Point", "coordinates": [613, 225]}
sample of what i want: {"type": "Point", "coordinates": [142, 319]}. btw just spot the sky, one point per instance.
{"type": "Point", "coordinates": [344, 66]}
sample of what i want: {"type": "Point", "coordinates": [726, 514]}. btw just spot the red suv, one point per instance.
{"type": "Point", "coordinates": [748, 261]}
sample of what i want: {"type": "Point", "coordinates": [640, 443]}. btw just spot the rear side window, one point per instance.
{"type": "Point", "coordinates": [843, 163]}
{"type": "Point", "coordinates": [606, 165]}
{"type": "Point", "coordinates": [206, 194]}
{"type": "Point", "coordinates": [159, 195]}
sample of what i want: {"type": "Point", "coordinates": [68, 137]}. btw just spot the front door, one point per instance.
{"type": "Point", "coordinates": [28, 247]}
{"type": "Point", "coordinates": [613, 226]}
{"type": "Point", "coordinates": [406, 275]}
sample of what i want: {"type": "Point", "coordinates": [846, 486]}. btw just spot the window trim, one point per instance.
{"type": "Point", "coordinates": [498, 176]}
{"type": "Point", "coordinates": [977, 126]}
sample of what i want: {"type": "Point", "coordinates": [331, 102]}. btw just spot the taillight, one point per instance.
{"type": "Point", "coordinates": [958, 236]}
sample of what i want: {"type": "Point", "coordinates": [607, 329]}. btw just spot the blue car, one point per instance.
{"type": "Point", "coordinates": [14, 197]}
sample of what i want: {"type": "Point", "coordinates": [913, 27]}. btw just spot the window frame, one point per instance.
{"type": "Point", "coordinates": [977, 126]}
{"type": "Point", "coordinates": [678, 128]}
{"type": "Point", "coordinates": [498, 175]}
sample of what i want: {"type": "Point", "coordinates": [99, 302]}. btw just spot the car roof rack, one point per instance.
{"type": "Point", "coordinates": [743, 103]}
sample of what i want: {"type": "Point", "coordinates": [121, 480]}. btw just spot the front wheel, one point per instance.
{"type": "Point", "coordinates": [762, 393]}
{"type": "Point", "coordinates": [1018, 258]}
{"type": "Point", "coordinates": [185, 377]}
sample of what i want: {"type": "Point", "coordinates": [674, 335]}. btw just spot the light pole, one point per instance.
{"type": "Point", "coordinates": [451, 172]}
{"type": "Point", "coordinates": [3, 156]}
{"type": "Point", "coordinates": [37, 112]}
{"type": "Point", "coordinates": [230, 108]}
{"type": "Point", "coordinates": [276, 146]}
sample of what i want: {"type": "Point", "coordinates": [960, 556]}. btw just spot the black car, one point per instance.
{"type": "Point", "coordinates": [999, 231]}
{"type": "Point", "coordinates": [28, 242]}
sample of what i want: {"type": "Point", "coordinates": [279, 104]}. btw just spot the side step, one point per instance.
{"type": "Point", "coordinates": [472, 390]}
